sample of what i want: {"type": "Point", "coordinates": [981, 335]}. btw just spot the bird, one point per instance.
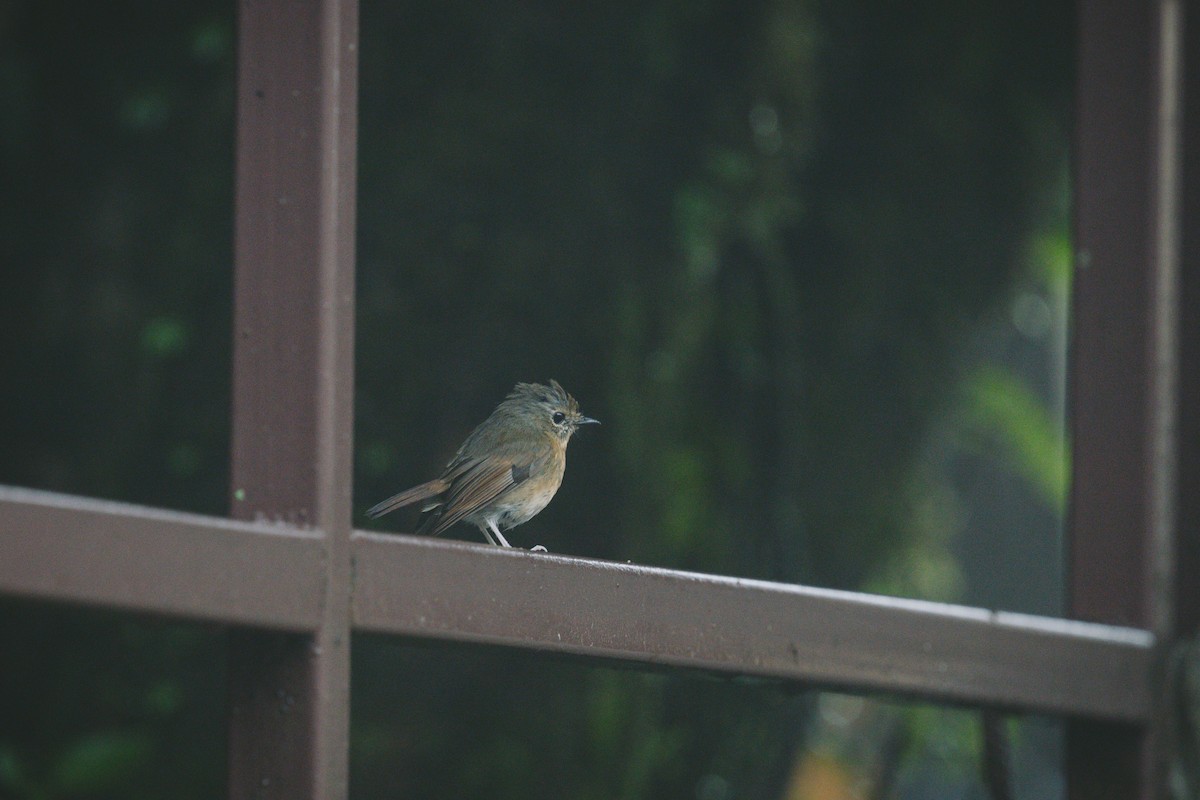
{"type": "Point", "coordinates": [507, 470]}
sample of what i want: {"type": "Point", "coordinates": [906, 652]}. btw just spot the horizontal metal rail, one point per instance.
{"type": "Point", "coordinates": [449, 590]}
{"type": "Point", "coordinates": [61, 547]}
{"type": "Point", "coordinates": [271, 576]}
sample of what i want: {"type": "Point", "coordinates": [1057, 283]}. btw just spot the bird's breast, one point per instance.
{"type": "Point", "coordinates": [525, 500]}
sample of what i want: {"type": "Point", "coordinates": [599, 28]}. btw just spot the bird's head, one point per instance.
{"type": "Point", "coordinates": [549, 408]}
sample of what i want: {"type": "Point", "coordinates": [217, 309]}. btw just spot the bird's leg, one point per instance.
{"type": "Point", "coordinates": [498, 534]}
{"type": "Point", "coordinates": [488, 534]}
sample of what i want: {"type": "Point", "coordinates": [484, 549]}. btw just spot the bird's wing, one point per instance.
{"type": "Point", "coordinates": [473, 484]}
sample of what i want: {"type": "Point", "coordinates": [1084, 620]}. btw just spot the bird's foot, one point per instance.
{"type": "Point", "coordinates": [537, 548]}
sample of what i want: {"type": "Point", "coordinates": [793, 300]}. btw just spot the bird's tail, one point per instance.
{"type": "Point", "coordinates": [408, 497]}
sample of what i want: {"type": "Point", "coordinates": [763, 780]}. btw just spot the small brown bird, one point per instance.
{"type": "Point", "coordinates": [506, 471]}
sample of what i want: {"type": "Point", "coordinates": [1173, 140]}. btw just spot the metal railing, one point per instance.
{"type": "Point", "coordinates": [295, 580]}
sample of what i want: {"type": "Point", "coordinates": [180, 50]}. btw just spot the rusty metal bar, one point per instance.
{"type": "Point", "coordinates": [423, 587]}
{"type": "Point", "coordinates": [1124, 361]}
{"type": "Point", "coordinates": [59, 547]}
{"type": "Point", "coordinates": [293, 377]}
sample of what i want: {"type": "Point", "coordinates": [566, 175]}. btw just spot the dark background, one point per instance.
{"type": "Point", "coordinates": [805, 260]}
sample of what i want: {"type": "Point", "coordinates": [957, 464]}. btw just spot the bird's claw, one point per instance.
{"type": "Point", "coordinates": [537, 548]}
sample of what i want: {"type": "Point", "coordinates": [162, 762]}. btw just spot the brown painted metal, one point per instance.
{"type": "Point", "coordinates": [1187, 545]}
{"type": "Point", "coordinates": [273, 696]}
{"type": "Point", "coordinates": [75, 549]}
{"type": "Point", "coordinates": [1125, 363]}
{"type": "Point", "coordinates": [272, 576]}
{"type": "Point", "coordinates": [293, 377]}
{"type": "Point", "coordinates": [426, 587]}
{"type": "Point", "coordinates": [1109, 382]}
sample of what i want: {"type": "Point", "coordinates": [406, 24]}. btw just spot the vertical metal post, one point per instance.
{"type": "Point", "coordinates": [1187, 545]}
{"type": "Point", "coordinates": [1125, 359]}
{"type": "Point", "coordinates": [293, 377]}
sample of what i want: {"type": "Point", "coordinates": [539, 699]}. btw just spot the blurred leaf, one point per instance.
{"type": "Point", "coordinates": [376, 458]}
{"type": "Point", "coordinates": [1007, 411]}
{"type": "Point", "coordinates": [1052, 258]}
{"type": "Point", "coordinates": [211, 41]}
{"type": "Point", "coordinates": [820, 776]}
{"type": "Point", "coordinates": [731, 166]}
{"type": "Point", "coordinates": [147, 109]}
{"type": "Point", "coordinates": [164, 336]}
{"type": "Point", "coordinates": [185, 459]}
{"type": "Point", "coordinates": [101, 762]}
{"type": "Point", "coordinates": [686, 505]}
{"type": "Point", "coordinates": [12, 776]}
{"type": "Point", "coordinates": [164, 698]}
{"type": "Point", "coordinates": [606, 714]}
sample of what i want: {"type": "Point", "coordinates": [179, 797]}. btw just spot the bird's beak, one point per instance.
{"type": "Point", "coordinates": [586, 420]}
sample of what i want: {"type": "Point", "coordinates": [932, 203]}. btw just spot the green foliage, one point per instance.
{"type": "Point", "coordinates": [96, 706]}
{"type": "Point", "coordinates": [753, 238]}
{"type": "Point", "coordinates": [115, 207]}
{"type": "Point", "coordinates": [1008, 413]}
{"type": "Point", "coordinates": [98, 765]}
{"type": "Point", "coordinates": [164, 336]}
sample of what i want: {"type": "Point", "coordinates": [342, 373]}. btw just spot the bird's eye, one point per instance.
{"type": "Point", "coordinates": [558, 417]}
